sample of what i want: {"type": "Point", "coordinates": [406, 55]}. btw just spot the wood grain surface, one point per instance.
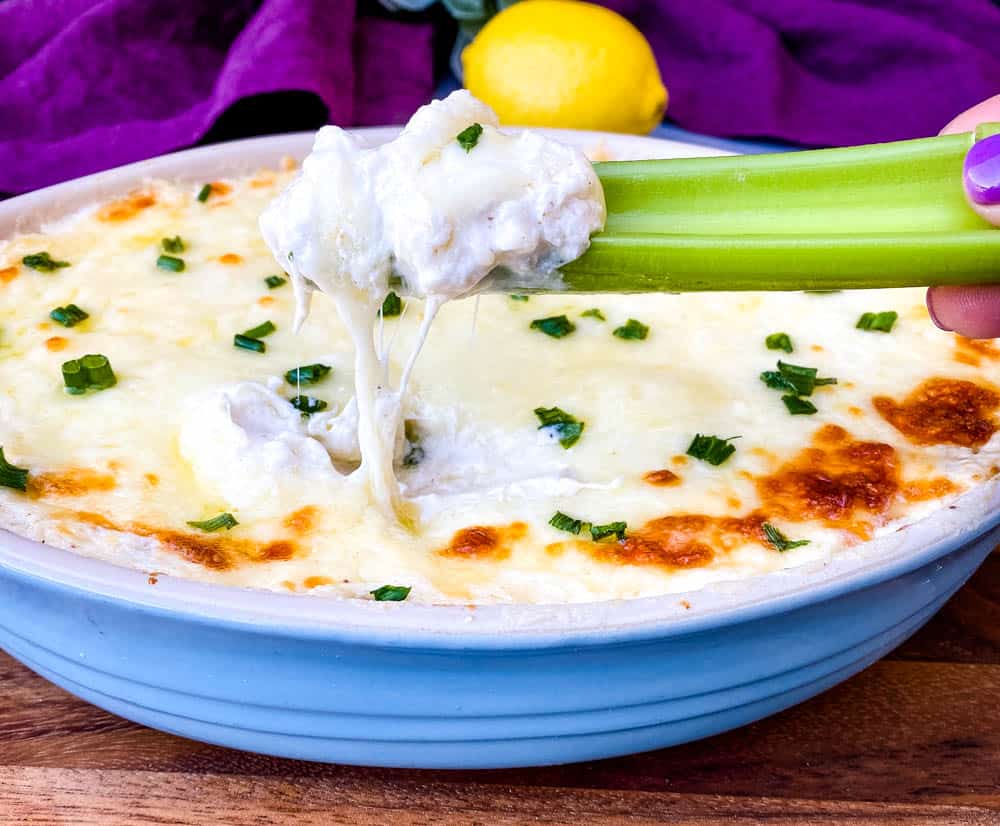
{"type": "Point", "coordinates": [915, 739]}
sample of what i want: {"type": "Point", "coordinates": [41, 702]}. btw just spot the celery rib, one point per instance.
{"type": "Point", "coordinates": [884, 215]}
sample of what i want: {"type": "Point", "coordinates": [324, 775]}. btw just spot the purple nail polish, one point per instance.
{"type": "Point", "coordinates": [982, 171]}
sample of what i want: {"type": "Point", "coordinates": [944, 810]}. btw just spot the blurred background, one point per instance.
{"type": "Point", "coordinates": [90, 84]}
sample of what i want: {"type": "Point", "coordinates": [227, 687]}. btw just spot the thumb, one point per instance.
{"type": "Point", "coordinates": [974, 311]}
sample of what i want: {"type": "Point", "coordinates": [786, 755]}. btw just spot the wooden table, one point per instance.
{"type": "Point", "coordinates": [914, 739]}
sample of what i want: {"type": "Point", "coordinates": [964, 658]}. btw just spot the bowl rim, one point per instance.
{"type": "Point", "coordinates": [415, 625]}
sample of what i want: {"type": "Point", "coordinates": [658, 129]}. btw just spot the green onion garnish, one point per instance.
{"type": "Point", "coordinates": [469, 136]}
{"type": "Point", "coordinates": [12, 476]}
{"type": "Point", "coordinates": [274, 281]}
{"type": "Point", "coordinates": [566, 427]}
{"type": "Point", "coordinates": [877, 322]}
{"type": "Point", "coordinates": [170, 263]}
{"type": "Point", "coordinates": [797, 406]}
{"type": "Point", "coordinates": [561, 522]}
{"type": "Point", "coordinates": [68, 316]}
{"type": "Point", "coordinates": [779, 541]}
{"type": "Point", "coordinates": [92, 372]}
{"type": "Point", "coordinates": [247, 343]}
{"type": "Point", "coordinates": [307, 405]}
{"type": "Point", "coordinates": [711, 449]}
{"type": "Point", "coordinates": [391, 593]}
{"type": "Point", "coordinates": [260, 330]}
{"type": "Point", "coordinates": [593, 313]}
{"type": "Point", "coordinates": [43, 262]}
{"type": "Point", "coordinates": [601, 532]}
{"type": "Point", "coordinates": [392, 306]}
{"type": "Point", "coordinates": [216, 523]}
{"type": "Point", "coordinates": [308, 374]}
{"type": "Point", "coordinates": [631, 330]}
{"type": "Point", "coordinates": [794, 379]}
{"type": "Point", "coordinates": [204, 192]}
{"type": "Point", "coordinates": [175, 244]}
{"type": "Point", "coordinates": [556, 326]}
{"type": "Point", "coordinates": [598, 533]}
{"type": "Point", "coordinates": [779, 341]}
{"type": "Point", "coordinates": [516, 297]}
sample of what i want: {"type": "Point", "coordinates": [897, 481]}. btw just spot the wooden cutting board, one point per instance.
{"type": "Point", "coordinates": [915, 739]}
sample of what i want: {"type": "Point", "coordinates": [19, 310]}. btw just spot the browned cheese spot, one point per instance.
{"type": "Point", "coordinates": [56, 343]}
{"type": "Point", "coordinates": [302, 521]}
{"type": "Point", "coordinates": [943, 411]}
{"type": "Point", "coordinates": [8, 274]}
{"type": "Point", "coordinates": [126, 208]}
{"type": "Point", "coordinates": [485, 541]}
{"type": "Point", "coordinates": [661, 478]}
{"type": "Point", "coordinates": [77, 481]}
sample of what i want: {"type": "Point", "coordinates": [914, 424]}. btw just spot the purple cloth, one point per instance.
{"type": "Point", "coordinates": [89, 85]}
{"type": "Point", "coordinates": [821, 72]}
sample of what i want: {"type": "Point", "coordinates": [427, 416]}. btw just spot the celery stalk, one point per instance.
{"type": "Point", "coordinates": [884, 215]}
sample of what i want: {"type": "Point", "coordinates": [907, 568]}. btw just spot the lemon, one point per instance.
{"type": "Point", "coordinates": [568, 64]}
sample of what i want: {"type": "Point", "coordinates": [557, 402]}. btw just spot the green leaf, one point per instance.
{"type": "Point", "coordinates": [779, 541]}
{"type": "Point", "coordinates": [779, 341]}
{"type": "Point", "coordinates": [391, 593]}
{"type": "Point", "coordinates": [204, 192]}
{"type": "Point", "coordinates": [68, 316]}
{"type": "Point", "coordinates": [217, 523]}
{"type": "Point", "coordinates": [878, 322]}
{"type": "Point", "coordinates": [175, 244]}
{"type": "Point", "coordinates": [711, 449]}
{"type": "Point", "coordinates": [599, 533]}
{"type": "Point", "coordinates": [594, 312]}
{"type": "Point", "coordinates": [170, 263]}
{"type": "Point", "coordinates": [795, 379]}
{"type": "Point", "coordinates": [469, 136]}
{"type": "Point", "coordinates": [274, 281]}
{"type": "Point", "coordinates": [247, 343]}
{"type": "Point", "coordinates": [307, 374]}
{"type": "Point", "coordinates": [392, 306]}
{"type": "Point", "coordinates": [632, 329]}
{"type": "Point", "coordinates": [566, 426]}
{"type": "Point", "coordinates": [557, 326]}
{"type": "Point", "coordinates": [43, 262]}
{"type": "Point", "coordinates": [516, 297]}
{"type": "Point", "coordinates": [797, 406]}
{"type": "Point", "coordinates": [307, 405]}
{"type": "Point", "coordinates": [561, 522]}
{"type": "Point", "coordinates": [12, 476]}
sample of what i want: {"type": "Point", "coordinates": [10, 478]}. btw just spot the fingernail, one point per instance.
{"type": "Point", "coordinates": [934, 317]}
{"type": "Point", "coordinates": [982, 171]}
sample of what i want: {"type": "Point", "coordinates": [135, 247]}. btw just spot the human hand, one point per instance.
{"type": "Point", "coordinates": [974, 312]}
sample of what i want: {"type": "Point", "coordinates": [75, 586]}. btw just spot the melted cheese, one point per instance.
{"type": "Point", "coordinates": [441, 216]}
{"type": "Point", "coordinates": [195, 426]}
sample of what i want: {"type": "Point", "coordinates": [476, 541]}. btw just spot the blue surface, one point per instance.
{"type": "Point", "coordinates": [334, 696]}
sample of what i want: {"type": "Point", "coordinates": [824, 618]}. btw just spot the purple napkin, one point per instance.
{"type": "Point", "coordinates": [821, 72]}
{"type": "Point", "coordinates": [89, 85]}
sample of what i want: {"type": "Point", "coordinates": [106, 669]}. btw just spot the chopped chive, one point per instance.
{"type": "Point", "coordinates": [68, 316]}
{"type": "Point", "coordinates": [631, 330]}
{"type": "Point", "coordinates": [562, 522]}
{"type": "Point", "coordinates": [204, 192]}
{"type": "Point", "coordinates": [12, 476]}
{"type": "Point", "coordinates": [391, 593]}
{"type": "Point", "coordinates": [593, 312]}
{"type": "Point", "coordinates": [260, 330]}
{"type": "Point", "coordinates": [795, 379]}
{"type": "Point", "coordinates": [307, 374]}
{"type": "Point", "coordinates": [469, 136]}
{"type": "Point", "coordinates": [274, 281]}
{"type": "Point", "coordinates": [566, 427]}
{"type": "Point", "coordinates": [779, 341]}
{"type": "Point", "coordinates": [92, 372]}
{"type": "Point", "coordinates": [599, 533]}
{"type": "Point", "coordinates": [711, 449]}
{"type": "Point", "coordinates": [392, 306]}
{"type": "Point", "coordinates": [170, 263]}
{"type": "Point", "coordinates": [99, 373]}
{"type": "Point", "coordinates": [877, 322]}
{"type": "Point", "coordinates": [247, 343]}
{"type": "Point", "coordinates": [307, 405]}
{"type": "Point", "coordinates": [779, 541]}
{"type": "Point", "coordinates": [216, 523]}
{"type": "Point", "coordinates": [518, 297]}
{"type": "Point", "coordinates": [797, 406]}
{"type": "Point", "coordinates": [175, 244]}
{"type": "Point", "coordinates": [556, 326]}
{"type": "Point", "coordinates": [43, 262]}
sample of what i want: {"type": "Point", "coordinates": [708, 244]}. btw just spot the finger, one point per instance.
{"type": "Point", "coordinates": [973, 312]}
{"type": "Point", "coordinates": [983, 112]}
{"type": "Point", "coordinates": [981, 171]}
